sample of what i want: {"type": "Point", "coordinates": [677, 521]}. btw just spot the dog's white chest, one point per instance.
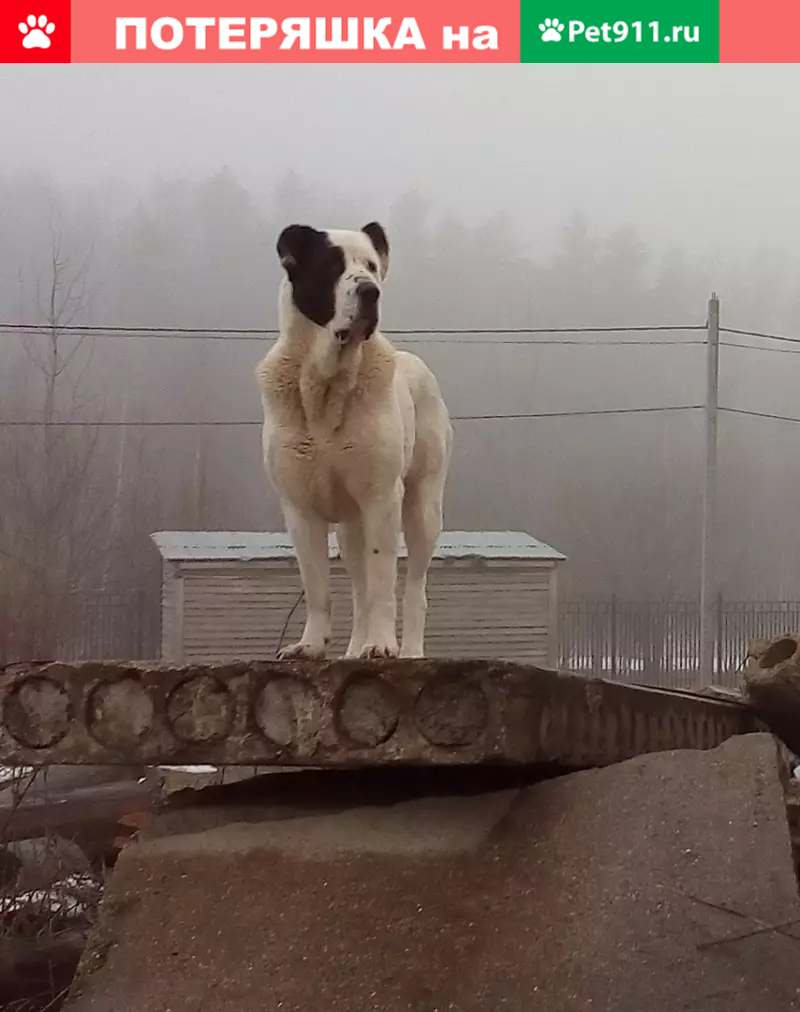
{"type": "Point", "coordinates": [313, 473]}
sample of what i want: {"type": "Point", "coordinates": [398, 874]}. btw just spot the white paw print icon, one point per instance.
{"type": "Point", "coordinates": [36, 32]}
{"type": "Point", "coordinates": [551, 30]}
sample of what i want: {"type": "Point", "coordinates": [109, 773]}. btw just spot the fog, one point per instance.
{"type": "Point", "coordinates": [699, 155]}
{"type": "Point", "coordinates": [525, 198]}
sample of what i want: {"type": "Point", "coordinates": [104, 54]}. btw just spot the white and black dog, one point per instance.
{"type": "Point", "coordinates": [356, 434]}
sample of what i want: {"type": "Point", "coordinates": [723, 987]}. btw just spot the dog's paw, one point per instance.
{"type": "Point", "coordinates": [301, 652]}
{"type": "Point", "coordinates": [378, 651]}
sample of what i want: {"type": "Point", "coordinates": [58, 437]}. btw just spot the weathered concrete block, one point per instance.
{"type": "Point", "coordinates": [346, 713]}
{"type": "Point", "coordinates": [661, 884]}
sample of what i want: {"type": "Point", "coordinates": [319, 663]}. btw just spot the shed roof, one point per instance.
{"type": "Point", "coordinates": [245, 546]}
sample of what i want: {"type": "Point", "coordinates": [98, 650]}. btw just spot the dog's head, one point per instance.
{"type": "Point", "coordinates": [336, 276]}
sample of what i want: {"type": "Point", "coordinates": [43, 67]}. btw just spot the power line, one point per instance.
{"type": "Point", "coordinates": [480, 343]}
{"type": "Point", "coordinates": [494, 342]}
{"type": "Point", "coordinates": [538, 344]}
{"type": "Point", "coordinates": [758, 347]}
{"type": "Point", "coordinates": [760, 414]}
{"type": "Point", "coordinates": [522, 416]}
{"type": "Point", "coordinates": [761, 334]}
{"type": "Point", "coordinates": [577, 414]}
{"type": "Point", "coordinates": [257, 333]}
{"type": "Point", "coordinates": [260, 421]}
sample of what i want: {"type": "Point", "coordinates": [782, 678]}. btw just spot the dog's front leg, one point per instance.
{"type": "Point", "coordinates": [381, 521]}
{"type": "Point", "coordinates": [351, 546]}
{"type": "Point", "coordinates": [310, 538]}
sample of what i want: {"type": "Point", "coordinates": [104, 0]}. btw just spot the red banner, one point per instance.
{"type": "Point", "coordinates": [281, 31]}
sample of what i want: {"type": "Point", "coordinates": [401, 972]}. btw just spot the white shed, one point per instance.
{"type": "Point", "coordinates": [227, 595]}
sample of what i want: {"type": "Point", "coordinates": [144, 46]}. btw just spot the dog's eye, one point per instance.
{"type": "Point", "coordinates": [372, 267]}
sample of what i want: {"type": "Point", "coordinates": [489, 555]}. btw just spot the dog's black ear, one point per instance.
{"type": "Point", "coordinates": [377, 235]}
{"type": "Point", "coordinates": [295, 244]}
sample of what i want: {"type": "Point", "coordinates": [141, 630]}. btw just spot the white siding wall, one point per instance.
{"type": "Point", "coordinates": [489, 610]}
{"type": "Point", "coordinates": [475, 609]}
{"type": "Point", "coordinates": [170, 610]}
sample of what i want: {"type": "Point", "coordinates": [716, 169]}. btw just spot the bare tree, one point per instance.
{"type": "Point", "coordinates": [54, 505]}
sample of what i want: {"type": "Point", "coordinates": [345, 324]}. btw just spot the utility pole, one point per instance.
{"type": "Point", "coordinates": [708, 569]}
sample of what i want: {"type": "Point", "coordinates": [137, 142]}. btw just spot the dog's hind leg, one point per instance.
{"type": "Point", "coordinates": [351, 545]}
{"type": "Point", "coordinates": [422, 525]}
{"type": "Point", "coordinates": [310, 538]}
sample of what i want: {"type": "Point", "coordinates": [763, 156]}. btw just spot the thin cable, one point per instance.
{"type": "Point", "coordinates": [538, 344]}
{"type": "Point", "coordinates": [461, 342]}
{"type": "Point", "coordinates": [292, 610]}
{"type": "Point", "coordinates": [760, 414]}
{"type": "Point", "coordinates": [256, 333]}
{"type": "Point", "coordinates": [454, 418]}
{"type": "Point", "coordinates": [758, 347]}
{"type": "Point", "coordinates": [577, 414]}
{"type": "Point", "coordinates": [756, 333]}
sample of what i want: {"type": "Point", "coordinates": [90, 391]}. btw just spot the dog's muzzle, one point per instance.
{"type": "Point", "coordinates": [365, 322]}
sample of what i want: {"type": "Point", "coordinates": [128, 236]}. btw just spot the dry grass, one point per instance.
{"type": "Point", "coordinates": [49, 895]}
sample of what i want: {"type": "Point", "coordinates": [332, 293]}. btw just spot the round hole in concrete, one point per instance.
{"type": "Point", "coordinates": [119, 713]}
{"type": "Point", "coordinates": [37, 712]}
{"type": "Point", "coordinates": [200, 710]}
{"type": "Point", "coordinates": [367, 710]}
{"type": "Point", "coordinates": [779, 652]}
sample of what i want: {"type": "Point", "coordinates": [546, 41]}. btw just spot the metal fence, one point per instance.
{"type": "Point", "coordinates": [658, 643]}
{"type": "Point", "coordinates": [125, 625]}
{"type": "Point", "coordinates": [117, 625]}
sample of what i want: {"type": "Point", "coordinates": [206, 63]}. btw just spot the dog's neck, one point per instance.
{"type": "Point", "coordinates": [328, 369]}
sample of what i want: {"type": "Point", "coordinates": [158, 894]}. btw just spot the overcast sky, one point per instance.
{"type": "Point", "coordinates": [708, 156]}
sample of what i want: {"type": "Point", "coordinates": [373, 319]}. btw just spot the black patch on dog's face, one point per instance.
{"type": "Point", "coordinates": [314, 266]}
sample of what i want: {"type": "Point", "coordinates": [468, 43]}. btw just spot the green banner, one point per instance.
{"type": "Point", "coordinates": [619, 31]}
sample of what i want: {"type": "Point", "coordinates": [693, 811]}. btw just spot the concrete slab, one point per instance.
{"type": "Point", "coordinates": [661, 884]}
{"type": "Point", "coordinates": [346, 713]}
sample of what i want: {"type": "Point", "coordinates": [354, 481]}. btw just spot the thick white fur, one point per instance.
{"type": "Point", "coordinates": [357, 436]}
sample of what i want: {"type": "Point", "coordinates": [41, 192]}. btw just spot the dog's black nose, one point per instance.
{"type": "Point", "coordinates": [368, 293]}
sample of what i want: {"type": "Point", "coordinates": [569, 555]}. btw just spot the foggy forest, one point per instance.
{"type": "Point", "coordinates": [590, 440]}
